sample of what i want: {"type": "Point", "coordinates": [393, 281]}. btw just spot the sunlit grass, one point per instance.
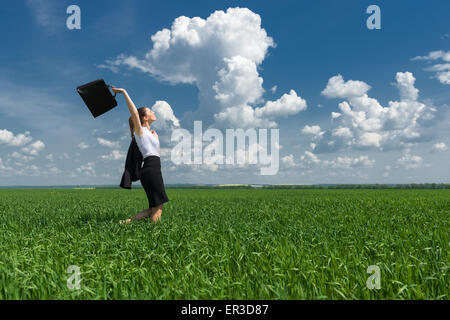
{"type": "Point", "coordinates": [225, 244]}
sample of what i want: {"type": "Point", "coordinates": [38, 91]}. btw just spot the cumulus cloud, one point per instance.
{"type": "Point", "coordinates": [164, 115]}
{"type": "Point", "coordinates": [220, 55]}
{"type": "Point", "coordinates": [410, 161]}
{"type": "Point", "coordinates": [441, 70]}
{"type": "Point", "coordinates": [83, 146]}
{"type": "Point", "coordinates": [52, 170]}
{"type": "Point", "coordinates": [114, 155]}
{"type": "Point", "coordinates": [342, 132]}
{"type": "Point", "coordinates": [363, 123]}
{"type": "Point", "coordinates": [20, 157]}
{"type": "Point", "coordinates": [8, 138]}
{"type": "Point", "coordinates": [288, 104]}
{"type": "Point", "coordinates": [87, 169]}
{"type": "Point", "coordinates": [337, 88]}
{"type": "Point", "coordinates": [440, 146]}
{"type": "Point", "coordinates": [242, 117]}
{"type": "Point", "coordinates": [5, 171]}
{"type": "Point", "coordinates": [288, 161]}
{"type": "Point", "coordinates": [345, 162]}
{"type": "Point", "coordinates": [107, 143]}
{"type": "Point", "coordinates": [314, 130]}
{"type": "Point", "coordinates": [310, 157]}
{"type": "Point", "coordinates": [34, 148]}
{"type": "Point", "coordinates": [335, 115]}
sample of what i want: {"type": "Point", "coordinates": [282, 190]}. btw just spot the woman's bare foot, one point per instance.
{"type": "Point", "coordinates": [125, 221]}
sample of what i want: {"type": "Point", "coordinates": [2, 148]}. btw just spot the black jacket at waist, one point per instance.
{"type": "Point", "coordinates": [133, 165]}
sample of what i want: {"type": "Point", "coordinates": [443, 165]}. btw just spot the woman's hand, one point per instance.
{"type": "Point", "coordinates": [118, 90]}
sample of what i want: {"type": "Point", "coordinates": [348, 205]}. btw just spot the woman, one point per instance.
{"type": "Point", "coordinates": [148, 143]}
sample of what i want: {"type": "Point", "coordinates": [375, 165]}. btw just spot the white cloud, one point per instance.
{"type": "Point", "coordinates": [5, 171]}
{"type": "Point", "coordinates": [114, 155]}
{"type": "Point", "coordinates": [238, 82]}
{"type": "Point", "coordinates": [21, 157]}
{"type": "Point", "coordinates": [107, 143]}
{"type": "Point", "coordinates": [440, 146]}
{"type": "Point", "coordinates": [335, 115]}
{"type": "Point", "coordinates": [288, 160]}
{"type": "Point", "coordinates": [242, 117]}
{"type": "Point", "coordinates": [83, 146]}
{"type": "Point", "coordinates": [52, 170]}
{"type": "Point", "coordinates": [220, 55]}
{"type": "Point", "coordinates": [8, 138]}
{"type": "Point", "coordinates": [435, 55]}
{"type": "Point", "coordinates": [288, 104]}
{"type": "Point", "coordinates": [343, 132]}
{"type": "Point", "coordinates": [370, 125]}
{"type": "Point", "coordinates": [87, 169]}
{"type": "Point", "coordinates": [349, 162]}
{"type": "Point", "coordinates": [20, 140]}
{"type": "Point", "coordinates": [314, 130]}
{"type": "Point", "coordinates": [370, 139]}
{"type": "Point", "coordinates": [442, 71]}
{"type": "Point", "coordinates": [410, 161]}
{"type": "Point", "coordinates": [344, 162]}
{"type": "Point", "coordinates": [337, 88]}
{"type": "Point", "coordinates": [273, 89]}
{"type": "Point", "coordinates": [164, 114]}
{"type": "Point", "coordinates": [34, 148]}
{"type": "Point", "coordinates": [405, 84]}
{"type": "Point", "coordinates": [309, 156]}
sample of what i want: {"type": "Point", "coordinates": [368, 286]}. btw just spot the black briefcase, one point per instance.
{"type": "Point", "coordinates": [97, 97]}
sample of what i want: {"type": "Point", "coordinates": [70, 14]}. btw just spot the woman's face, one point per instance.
{"type": "Point", "coordinates": [150, 115]}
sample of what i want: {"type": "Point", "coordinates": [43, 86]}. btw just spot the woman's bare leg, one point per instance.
{"type": "Point", "coordinates": [141, 215]}
{"type": "Point", "coordinates": [156, 213]}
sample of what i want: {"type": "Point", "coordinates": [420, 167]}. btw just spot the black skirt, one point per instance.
{"type": "Point", "coordinates": [152, 181]}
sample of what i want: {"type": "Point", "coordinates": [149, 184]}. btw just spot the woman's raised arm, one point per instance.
{"type": "Point", "coordinates": [133, 111]}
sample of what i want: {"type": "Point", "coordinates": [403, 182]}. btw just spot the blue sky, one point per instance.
{"type": "Point", "coordinates": [48, 137]}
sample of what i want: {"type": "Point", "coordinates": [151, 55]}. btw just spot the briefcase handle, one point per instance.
{"type": "Point", "coordinates": [111, 87]}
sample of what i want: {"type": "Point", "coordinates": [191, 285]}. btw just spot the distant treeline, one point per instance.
{"type": "Point", "coordinates": [337, 186]}
{"type": "Point", "coordinates": [367, 186]}
{"type": "Point", "coordinates": [252, 186]}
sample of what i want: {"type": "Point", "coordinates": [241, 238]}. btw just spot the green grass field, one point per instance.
{"type": "Point", "coordinates": [225, 244]}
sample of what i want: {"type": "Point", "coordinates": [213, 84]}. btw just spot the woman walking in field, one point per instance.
{"type": "Point", "coordinates": [150, 175]}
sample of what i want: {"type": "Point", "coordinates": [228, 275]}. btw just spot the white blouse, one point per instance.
{"type": "Point", "coordinates": [148, 144]}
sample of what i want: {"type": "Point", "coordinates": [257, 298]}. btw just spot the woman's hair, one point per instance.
{"type": "Point", "coordinates": [141, 112]}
